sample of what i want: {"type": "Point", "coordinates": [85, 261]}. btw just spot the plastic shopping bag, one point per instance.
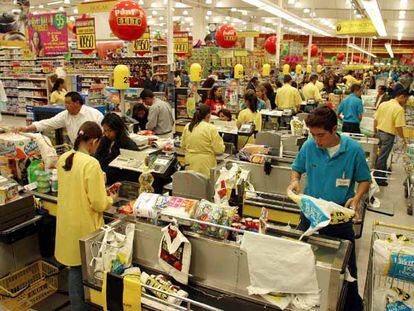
{"type": "Point", "coordinates": [175, 254]}
{"type": "Point", "coordinates": [320, 212]}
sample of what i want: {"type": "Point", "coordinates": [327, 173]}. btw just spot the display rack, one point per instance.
{"type": "Point", "coordinates": [159, 58]}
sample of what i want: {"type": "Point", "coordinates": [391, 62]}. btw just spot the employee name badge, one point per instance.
{"type": "Point", "coordinates": [343, 182]}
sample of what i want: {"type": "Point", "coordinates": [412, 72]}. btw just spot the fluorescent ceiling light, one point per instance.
{"type": "Point", "coordinates": [374, 13]}
{"type": "Point", "coordinates": [401, 26]}
{"type": "Point", "coordinates": [66, 1]}
{"type": "Point", "coordinates": [402, 15]}
{"type": "Point", "coordinates": [306, 11]}
{"type": "Point", "coordinates": [356, 47]}
{"type": "Point", "coordinates": [269, 7]}
{"type": "Point", "coordinates": [41, 6]}
{"type": "Point", "coordinates": [404, 3]}
{"type": "Point", "coordinates": [389, 49]}
{"type": "Point", "coordinates": [291, 1]}
{"type": "Point", "coordinates": [53, 3]}
{"type": "Point", "coordinates": [75, 11]}
{"type": "Point", "coordinates": [209, 1]}
{"type": "Point", "coordinates": [244, 12]}
{"type": "Point", "coordinates": [209, 13]}
{"type": "Point", "coordinates": [399, 36]}
{"type": "Point", "coordinates": [185, 12]}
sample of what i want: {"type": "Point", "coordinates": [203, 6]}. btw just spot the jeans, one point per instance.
{"type": "Point", "coordinates": [386, 144]}
{"type": "Point", "coordinates": [76, 295]}
{"type": "Point", "coordinates": [345, 232]}
{"type": "Point", "coordinates": [351, 127]}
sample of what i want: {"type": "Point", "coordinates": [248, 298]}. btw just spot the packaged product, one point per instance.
{"type": "Point", "coordinates": [8, 191]}
{"type": "Point", "coordinates": [35, 165]}
{"type": "Point", "coordinates": [226, 182]}
{"type": "Point", "coordinates": [46, 150]}
{"type": "Point", "coordinates": [297, 126]}
{"type": "Point", "coordinates": [18, 146]}
{"type": "Point", "coordinates": [144, 206]}
{"type": "Point", "coordinates": [176, 206]}
{"type": "Point", "coordinates": [128, 208]}
{"type": "Point", "coordinates": [393, 299]}
{"type": "Point", "coordinates": [174, 254]}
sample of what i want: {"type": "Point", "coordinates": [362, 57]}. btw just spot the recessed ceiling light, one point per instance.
{"type": "Point", "coordinates": [401, 15]}
{"type": "Point", "coordinates": [291, 1]}
{"type": "Point", "coordinates": [61, 9]}
{"type": "Point", "coordinates": [185, 12]}
{"type": "Point", "coordinates": [233, 10]}
{"type": "Point", "coordinates": [41, 6]}
{"type": "Point", "coordinates": [209, 1]}
{"type": "Point", "coordinates": [209, 13]}
{"type": "Point", "coordinates": [75, 10]}
{"type": "Point", "coordinates": [306, 11]}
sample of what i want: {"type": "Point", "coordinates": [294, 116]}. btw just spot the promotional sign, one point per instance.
{"type": "Point", "coordinates": [85, 35]}
{"type": "Point", "coordinates": [13, 22]}
{"type": "Point", "coordinates": [95, 7]}
{"type": "Point", "coordinates": [181, 43]}
{"type": "Point", "coordinates": [248, 34]}
{"type": "Point", "coordinates": [356, 27]}
{"type": "Point", "coordinates": [48, 34]}
{"type": "Point", "coordinates": [226, 36]}
{"type": "Point", "coordinates": [142, 45]}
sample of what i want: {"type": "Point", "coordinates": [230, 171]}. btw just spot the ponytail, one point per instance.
{"type": "Point", "coordinates": [88, 130]}
{"type": "Point", "coordinates": [251, 98]}
{"type": "Point", "coordinates": [201, 113]}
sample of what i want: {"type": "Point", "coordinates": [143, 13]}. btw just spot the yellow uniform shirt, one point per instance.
{"type": "Point", "coordinates": [288, 97]}
{"type": "Point", "coordinates": [351, 80]}
{"type": "Point", "coordinates": [389, 116]}
{"type": "Point", "coordinates": [247, 116]}
{"type": "Point", "coordinates": [311, 91]}
{"type": "Point", "coordinates": [319, 85]}
{"type": "Point", "coordinates": [58, 97]}
{"type": "Point", "coordinates": [82, 199]}
{"type": "Point", "coordinates": [201, 146]}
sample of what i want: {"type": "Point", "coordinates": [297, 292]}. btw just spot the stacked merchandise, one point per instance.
{"type": "Point", "coordinates": [159, 58]}
{"type": "Point", "coordinates": [203, 56]}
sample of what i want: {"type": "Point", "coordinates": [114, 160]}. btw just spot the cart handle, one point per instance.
{"type": "Point", "coordinates": [387, 225]}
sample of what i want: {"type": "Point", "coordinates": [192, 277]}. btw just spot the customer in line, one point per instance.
{"type": "Point", "coordinates": [264, 102]}
{"type": "Point", "coordinates": [201, 142]}
{"type": "Point", "coordinates": [253, 84]}
{"type": "Point", "coordinates": [311, 91]}
{"type": "Point", "coordinates": [215, 100]}
{"type": "Point", "coordinates": [160, 115]}
{"type": "Point", "coordinates": [330, 85]}
{"type": "Point", "coordinates": [82, 199]}
{"type": "Point", "coordinates": [333, 163]}
{"type": "Point", "coordinates": [58, 92]}
{"type": "Point", "coordinates": [389, 121]}
{"type": "Point", "coordinates": [72, 118]}
{"type": "Point", "coordinates": [288, 97]}
{"type": "Point", "coordinates": [352, 109]}
{"type": "Point", "coordinates": [382, 96]}
{"type": "Point", "coordinates": [350, 79]}
{"type": "Point", "coordinates": [270, 94]}
{"type": "Point", "coordinates": [140, 114]}
{"type": "Point", "coordinates": [115, 137]}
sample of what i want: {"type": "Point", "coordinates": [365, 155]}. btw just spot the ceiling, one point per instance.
{"type": "Point", "coordinates": [322, 13]}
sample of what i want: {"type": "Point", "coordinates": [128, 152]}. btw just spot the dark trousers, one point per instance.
{"type": "Point", "coordinates": [76, 295]}
{"type": "Point", "coordinates": [386, 142]}
{"type": "Point", "coordinates": [351, 127]}
{"type": "Point", "coordinates": [345, 232]}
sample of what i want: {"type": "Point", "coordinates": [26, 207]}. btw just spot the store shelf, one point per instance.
{"type": "Point", "coordinates": [31, 88]}
{"type": "Point", "coordinates": [12, 95]}
{"type": "Point", "coordinates": [34, 97]}
{"type": "Point", "coordinates": [163, 64]}
{"type": "Point", "coordinates": [13, 113]}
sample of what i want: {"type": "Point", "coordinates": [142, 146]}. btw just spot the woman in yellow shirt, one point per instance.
{"type": "Point", "coordinates": [58, 92]}
{"type": "Point", "coordinates": [249, 115]}
{"type": "Point", "coordinates": [82, 198]}
{"type": "Point", "coordinates": [201, 142]}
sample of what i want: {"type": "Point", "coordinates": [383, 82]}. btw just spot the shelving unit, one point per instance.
{"type": "Point", "coordinates": [159, 58]}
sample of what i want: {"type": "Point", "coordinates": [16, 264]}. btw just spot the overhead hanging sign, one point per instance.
{"type": "Point", "coordinates": [181, 43]}
{"type": "Point", "coordinates": [85, 35]}
{"type": "Point", "coordinates": [248, 34]}
{"type": "Point", "coordinates": [48, 34]}
{"type": "Point", "coordinates": [142, 46]}
{"type": "Point", "coordinates": [95, 7]}
{"type": "Point", "coordinates": [356, 27]}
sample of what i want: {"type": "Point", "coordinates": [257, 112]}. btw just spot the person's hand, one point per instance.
{"type": "Point", "coordinates": [294, 186]}
{"type": "Point", "coordinates": [114, 196]}
{"type": "Point", "coordinates": [22, 129]}
{"type": "Point", "coordinates": [352, 203]}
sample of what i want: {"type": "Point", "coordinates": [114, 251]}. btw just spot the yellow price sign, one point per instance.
{"type": "Point", "coordinates": [85, 35]}
{"type": "Point", "coordinates": [142, 45]}
{"type": "Point", "coordinates": [181, 43]}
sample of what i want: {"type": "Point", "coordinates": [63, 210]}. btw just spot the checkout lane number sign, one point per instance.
{"type": "Point", "coordinates": [85, 35]}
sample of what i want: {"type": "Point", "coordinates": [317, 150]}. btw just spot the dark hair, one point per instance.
{"type": "Point", "coordinates": [137, 108]}
{"type": "Point", "coordinates": [383, 88]}
{"type": "Point", "coordinates": [75, 97]}
{"type": "Point", "coordinates": [202, 111]}
{"type": "Point", "coordinates": [322, 117]}
{"type": "Point", "coordinates": [226, 113]}
{"type": "Point", "coordinates": [118, 126]}
{"type": "Point", "coordinates": [58, 82]}
{"type": "Point", "coordinates": [403, 92]}
{"type": "Point", "coordinates": [313, 78]}
{"type": "Point", "coordinates": [287, 79]}
{"type": "Point", "coordinates": [269, 88]}
{"type": "Point", "coordinates": [208, 83]}
{"type": "Point", "coordinates": [212, 92]}
{"type": "Point", "coordinates": [39, 45]}
{"type": "Point", "coordinates": [253, 80]}
{"type": "Point", "coordinates": [209, 37]}
{"type": "Point", "coordinates": [97, 80]}
{"type": "Point", "coordinates": [88, 130]}
{"type": "Point", "coordinates": [250, 96]}
{"type": "Point", "coordinates": [146, 93]}
{"type": "Point", "coordinates": [294, 84]}
{"type": "Point", "coordinates": [279, 84]}
{"type": "Point", "coordinates": [355, 87]}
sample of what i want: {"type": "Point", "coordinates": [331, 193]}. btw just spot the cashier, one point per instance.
{"type": "Point", "coordinates": [288, 97]}
{"type": "Point", "coordinates": [82, 198]}
{"type": "Point", "coordinates": [333, 164]}
{"type": "Point", "coordinates": [201, 142]}
{"type": "Point", "coordinates": [72, 118]}
{"type": "Point", "coordinates": [58, 92]}
{"type": "Point", "coordinates": [115, 138]}
{"type": "Point", "coordinates": [311, 91]}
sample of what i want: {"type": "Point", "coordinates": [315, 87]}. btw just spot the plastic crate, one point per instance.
{"type": "Point", "coordinates": [28, 286]}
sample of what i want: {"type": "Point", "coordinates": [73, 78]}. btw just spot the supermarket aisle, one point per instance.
{"type": "Point", "coordinates": [13, 121]}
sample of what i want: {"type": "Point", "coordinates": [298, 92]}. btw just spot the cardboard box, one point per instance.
{"type": "Point", "coordinates": [18, 146]}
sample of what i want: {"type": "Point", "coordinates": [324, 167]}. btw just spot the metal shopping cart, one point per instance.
{"type": "Point", "coordinates": [409, 180]}
{"type": "Point", "coordinates": [377, 284]}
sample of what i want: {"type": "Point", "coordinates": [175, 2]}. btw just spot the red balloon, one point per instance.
{"type": "Point", "coordinates": [270, 45]}
{"type": "Point", "coordinates": [340, 57]}
{"type": "Point", "coordinates": [314, 50]}
{"type": "Point", "coordinates": [321, 60]}
{"type": "Point", "coordinates": [356, 59]}
{"type": "Point", "coordinates": [226, 36]}
{"type": "Point", "coordinates": [127, 20]}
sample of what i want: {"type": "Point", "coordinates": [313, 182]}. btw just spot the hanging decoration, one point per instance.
{"type": "Point", "coordinates": [226, 37]}
{"type": "Point", "coordinates": [270, 45]}
{"type": "Point", "coordinates": [314, 50]}
{"type": "Point", "coordinates": [127, 20]}
{"type": "Point", "coordinates": [356, 59]}
{"type": "Point", "coordinates": [85, 35]}
{"type": "Point", "coordinates": [341, 57]}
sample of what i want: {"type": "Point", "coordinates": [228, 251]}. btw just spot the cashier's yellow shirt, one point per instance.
{"type": "Point", "coordinates": [351, 80]}
{"type": "Point", "coordinates": [81, 201]}
{"type": "Point", "coordinates": [390, 115]}
{"type": "Point", "coordinates": [58, 97]}
{"type": "Point", "coordinates": [311, 91]}
{"type": "Point", "coordinates": [287, 97]}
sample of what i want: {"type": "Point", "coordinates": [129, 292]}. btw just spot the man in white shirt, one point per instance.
{"type": "Point", "coordinates": [72, 118]}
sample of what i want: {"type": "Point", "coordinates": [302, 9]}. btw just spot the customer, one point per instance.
{"type": "Point", "coordinates": [288, 97]}
{"type": "Point", "coordinates": [140, 114]}
{"type": "Point", "coordinates": [382, 96]}
{"type": "Point", "coordinates": [333, 163]}
{"type": "Point", "coordinates": [82, 198]}
{"type": "Point", "coordinates": [330, 85]}
{"type": "Point", "coordinates": [97, 85]}
{"type": "Point", "coordinates": [311, 91]}
{"type": "Point", "coordinates": [58, 92]}
{"type": "Point", "coordinates": [72, 118]}
{"type": "Point", "coordinates": [215, 100]}
{"type": "Point", "coordinates": [402, 84]}
{"type": "Point", "coordinates": [389, 120]}
{"type": "Point", "coordinates": [225, 115]}
{"type": "Point", "coordinates": [201, 142]}
{"type": "Point", "coordinates": [115, 137]}
{"type": "Point", "coordinates": [251, 113]}
{"type": "Point", "coordinates": [160, 115]}
{"type": "Point", "coordinates": [270, 94]}
{"type": "Point", "coordinates": [253, 83]}
{"type": "Point", "coordinates": [264, 102]}
{"type": "Point", "coordinates": [352, 110]}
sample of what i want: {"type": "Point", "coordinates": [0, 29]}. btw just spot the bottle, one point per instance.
{"type": "Point", "coordinates": [54, 180]}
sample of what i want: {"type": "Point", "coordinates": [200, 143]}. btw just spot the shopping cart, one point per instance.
{"type": "Point", "coordinates": [408, 160]}
{"type": "Point", "coordinates": [377, 284]}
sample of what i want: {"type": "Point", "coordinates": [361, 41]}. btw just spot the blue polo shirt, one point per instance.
{"type": "Point", "coordinates": [351, 107]}
{"type": "Point", "coordinates": [323, 171]}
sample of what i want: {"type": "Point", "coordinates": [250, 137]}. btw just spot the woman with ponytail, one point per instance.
{"type": "Point", "coordinates": [201, 142]}
{"type": "Point", "coordinates": [249, 115]}
{"type": "Point", "coordinates": [82, 199]}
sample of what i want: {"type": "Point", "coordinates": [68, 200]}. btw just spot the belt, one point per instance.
{"type": "Point", "coordinates": [386, 133]}
{"type": "Point", "coordinates": [164, 133]}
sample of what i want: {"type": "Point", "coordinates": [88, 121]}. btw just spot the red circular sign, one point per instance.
{"type": "Point", "coordinates": [314, 50]}
{"type": "Point", "coordinates": [127, 20]}
{"type": "Point", "coordinates": [226, 36]}
{"type": "Point", "coordinates": [270, 45]}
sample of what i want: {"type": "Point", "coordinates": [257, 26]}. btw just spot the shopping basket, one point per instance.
{"type": "Point", "coordinates": [28, 286]}
{"type": "Point", "coordinates": [376, 284]}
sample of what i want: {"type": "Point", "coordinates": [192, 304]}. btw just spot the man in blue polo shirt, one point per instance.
{"type": "Point", "coordinates": [333, 164]}
{"type": "Point", "coordinates": [352, 109]}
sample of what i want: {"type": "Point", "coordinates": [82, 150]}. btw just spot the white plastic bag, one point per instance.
{"type": "Point", "coordinates": [174, 254]}
{"type": "Point", "coordinates": [47, 152]}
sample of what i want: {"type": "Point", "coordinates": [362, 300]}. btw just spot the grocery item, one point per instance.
{"type": "Point", "coordinates": [145, 182]}
{"type": "Point", "coordinates": [43, 181]}
{"type": "Point", "coordinates": [35, 165]}
{"type": "Point", "coordinates": [297, 126]}
{"type": "Point", "coordinates": [8, 191]}
{"type": "Point", "coordinates": [54, 181]}
{"type": "Point", "coordinates": [128, 208]}
{"type": "Point", "coordinates": [18, 146]}
{"type": "Point", "coordinates": [176, 206]}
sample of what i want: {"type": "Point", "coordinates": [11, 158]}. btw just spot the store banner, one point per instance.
{"type": "Point", "coordinates": [95, 7]}
{"type": "Point", "coordinates": [142, 46]}
{"type": "Point", "coordinates": [48, 34]}
{"type": "Point", "coordinates": [85, 35]}
{"type": "Point", "coordinates": [181, 43]}
{"type": "Point", "coordinates": [356, 27]}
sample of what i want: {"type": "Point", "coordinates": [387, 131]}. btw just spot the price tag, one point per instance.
{"type": "Point", "coordinates": [85, 35]}
{"type": "Point", "coordinates": [142, 45]}
{"type": "Point", "coordinates": [181, 43]}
